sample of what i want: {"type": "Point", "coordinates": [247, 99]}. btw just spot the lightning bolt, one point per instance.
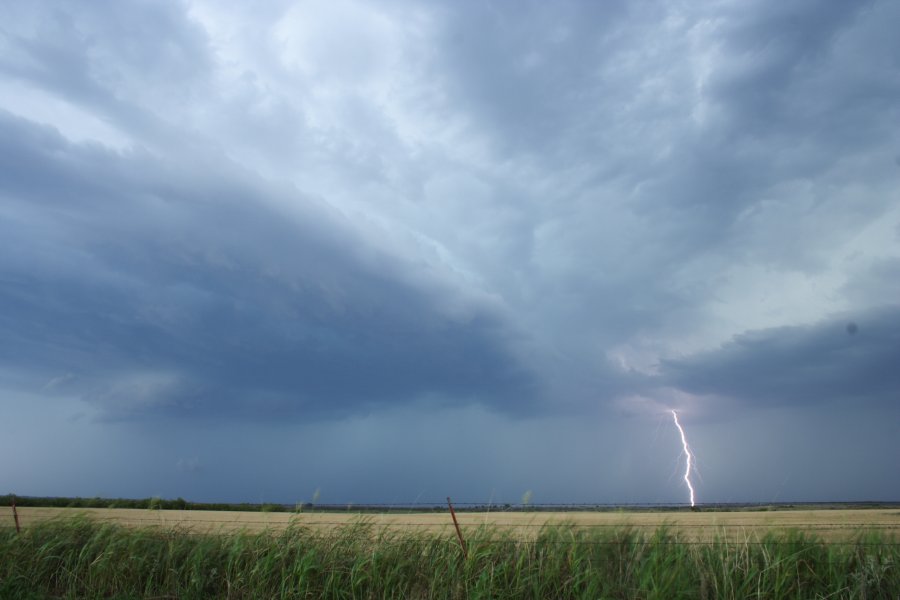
{"type": "Point", "coordinates": [689, 457]}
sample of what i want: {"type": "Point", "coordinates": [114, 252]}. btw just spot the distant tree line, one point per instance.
{"type": "Point", "coordinates": [145, 503]}
{"type": "Point", "coordinates": [182, 504]}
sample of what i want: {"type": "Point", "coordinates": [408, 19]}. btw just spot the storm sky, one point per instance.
{"type": "Point", "coordinates": [394, 251]}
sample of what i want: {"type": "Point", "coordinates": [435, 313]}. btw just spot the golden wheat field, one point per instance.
{"type": "Point", "coordinates": [829, 523]}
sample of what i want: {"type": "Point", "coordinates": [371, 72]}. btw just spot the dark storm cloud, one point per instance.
{"type": "Point", "coordinates": [851, 359]}
{"type": "Point", "coordinates": [373, 226]}
{"type": "Point", "coordinates": [164, 288]}
{"type": "Point", "coordinates": [660, 134]}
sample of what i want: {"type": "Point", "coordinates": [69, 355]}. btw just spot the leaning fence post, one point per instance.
{"type": "Point", "coordinates": [462, 542]}
{"type": "Point", "coordinates": [15, 515]}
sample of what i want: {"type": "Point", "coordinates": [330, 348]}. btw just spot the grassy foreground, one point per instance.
{"type": "Point", "coordinates": [79, 558]}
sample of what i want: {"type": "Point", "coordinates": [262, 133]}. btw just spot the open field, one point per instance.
{"type": "Point", "coordinates": [832, 524]}
{"type": "Point", "coordinates": [116, 552]}
{"type": "Point", "coordinates": [595, 555]}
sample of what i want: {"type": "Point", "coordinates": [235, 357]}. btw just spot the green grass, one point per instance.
{"type": "Point", "coordinates": [78, 558]}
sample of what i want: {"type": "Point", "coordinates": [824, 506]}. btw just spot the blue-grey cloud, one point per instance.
{"type": "Point", "coordinates": [202, 299]}
{"type": "Point", "coordinates": [848, 359]}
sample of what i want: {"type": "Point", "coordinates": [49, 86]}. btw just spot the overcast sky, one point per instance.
{"type": "Point", "coordinates": [399, 250]}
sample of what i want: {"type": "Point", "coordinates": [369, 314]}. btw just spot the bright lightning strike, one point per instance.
{"type": "Point", "coordinates": [689, 457]}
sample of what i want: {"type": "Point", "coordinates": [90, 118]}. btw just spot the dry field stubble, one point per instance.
{"type": "Point", "coordinates": [831, 524]}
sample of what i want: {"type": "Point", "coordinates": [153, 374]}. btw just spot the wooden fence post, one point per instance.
{"type": "Point", "coordinates": [15, 515]}
{"type": "Point", "coordinates": [462, 542]}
